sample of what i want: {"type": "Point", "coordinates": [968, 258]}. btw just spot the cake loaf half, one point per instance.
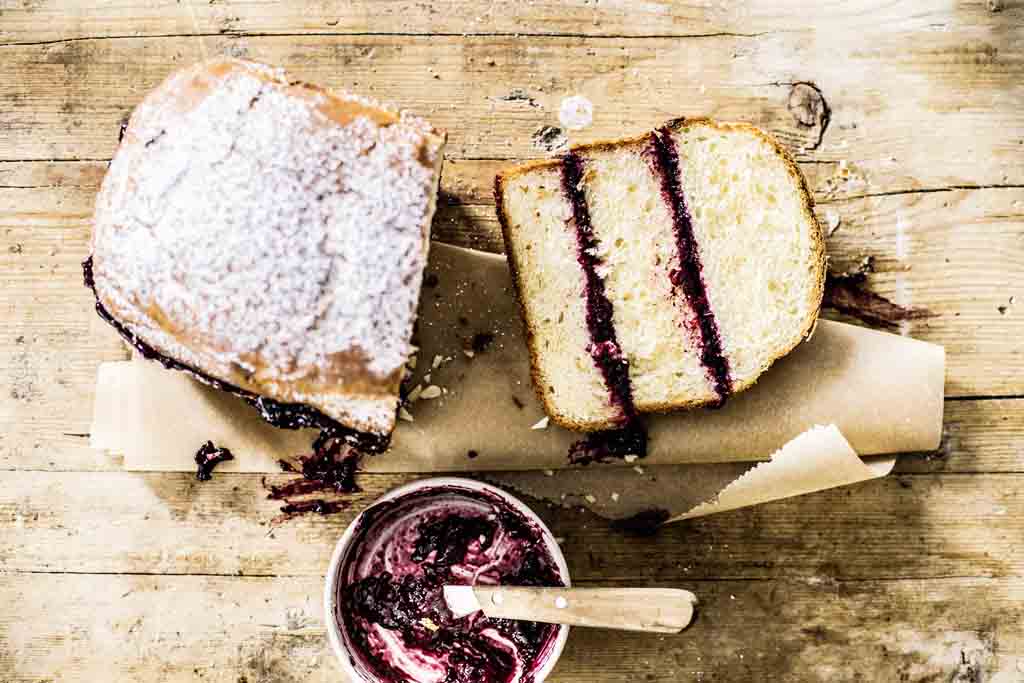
{"type": "Point", "coordinates": [269, 237]}
{"type": "Point", "coordinates": [660, 272]}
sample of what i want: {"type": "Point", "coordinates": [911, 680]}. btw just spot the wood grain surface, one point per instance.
{"type": "Point", "coordinates": [918, 168]}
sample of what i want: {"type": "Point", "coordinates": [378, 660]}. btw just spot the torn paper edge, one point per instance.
{"type": "Point", "coordinates": [818, 459]}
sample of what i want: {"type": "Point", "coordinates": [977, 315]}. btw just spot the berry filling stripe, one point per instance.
{"type": "Point", "coordinates": [689, 274]}
{"type": "Point", "coordinates": [604, 346]}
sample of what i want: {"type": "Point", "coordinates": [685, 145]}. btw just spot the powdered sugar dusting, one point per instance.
{"type": "Point", "coordinates": [277, 241]}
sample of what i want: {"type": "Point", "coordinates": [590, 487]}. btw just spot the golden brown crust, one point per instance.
{"type": "Point", "coordinates": [817, 292]}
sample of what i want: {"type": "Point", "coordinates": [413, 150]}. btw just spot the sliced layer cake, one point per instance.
{"type": "Point", "coordinates": [269, 237]}
{"type": "Point", "coordinates": [660, 272]}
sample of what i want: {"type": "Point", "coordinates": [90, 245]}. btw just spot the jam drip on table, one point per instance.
{"type": "Point", "coordinates": [688, 276]}
{"type": "Point", "coordinates": [277, 413]}
{"type": "Point", "coordinates": [846, 293]}
{"type": "Point", "coordinates": [331, 468]}
{"type": "Point", "coordinates": [414, 604]}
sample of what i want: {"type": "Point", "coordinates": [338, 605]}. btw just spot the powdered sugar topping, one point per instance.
{"type": "Point", "coordinates": [278, 239]}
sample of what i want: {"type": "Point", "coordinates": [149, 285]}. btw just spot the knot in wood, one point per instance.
{"type": "Point", "coordinates": [807, 105]}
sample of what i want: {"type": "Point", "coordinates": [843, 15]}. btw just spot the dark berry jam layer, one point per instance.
{"type": "Point", "coordinates": [688, 276]}
{"type": "Point", "coordinates": [613, 443]}
{"type": "Point", "coordinates": [604, 346]}
{"type": "Point", "coordinates": [283, 415]}
{"type": "Point", "coordinates": [391, 603]}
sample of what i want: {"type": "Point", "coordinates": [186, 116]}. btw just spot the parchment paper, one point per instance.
{"type": "Point", "coordinates": [883, 392]}
{"type": "Point", "coordinates": [817, 459]}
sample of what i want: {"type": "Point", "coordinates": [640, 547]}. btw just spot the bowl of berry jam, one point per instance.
{"type": "Point", "coordinates": [387, 619]}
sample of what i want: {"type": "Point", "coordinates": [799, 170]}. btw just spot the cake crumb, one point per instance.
{"type": "Point", "coordinates": [638, 469]}
{"type": "Point", "coordinates": [615, 497]}
{"type": "Point", "coordinates": [438, 360]}
{"type": "Point", "coordinates": [832, 219]}
{"type": "Point", "coordinates": [432, 391]}
{"type": "Point", "coordinates": [404, 414]}
{"type": "Point", "coordinates": [549, 473]}
{"type": "Point", "coordinates": [630, 458]}
{"type": "Point", "coordinates": [468, 353]}
{"type": "Point", "coordinates": [414, 395]}
{"type": "Point", "coordinates": [590, 498]}
{"type": "Point", "coordinates": [541, 423]}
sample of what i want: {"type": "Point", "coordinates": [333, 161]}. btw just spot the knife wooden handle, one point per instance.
{"type": "Point", "coordinates": [657, 610]}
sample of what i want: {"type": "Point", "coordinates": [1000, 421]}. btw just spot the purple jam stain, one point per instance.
{"type": "Point", "coordinates": [331, 468]}
{"type": "Point", "coordinates": [277, 413]}
{"type": "Point", "coordinates": [846, 293]}
{"type": "Point", "coordinates": [209, 456]}
{"type": "Point", "coordinates": [414, 604]}
{"type": "Point", "coordinates": [664, 158]}
{"type": "Point", "coordinates": [631, 438]}
{"type": "Point", "coordinates": [643, 523]}
{"type": "Point", "coordinates": [481, 341]}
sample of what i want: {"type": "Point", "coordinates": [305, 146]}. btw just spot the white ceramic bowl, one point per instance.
{"type": "Point", "coordinates": [336, 633]}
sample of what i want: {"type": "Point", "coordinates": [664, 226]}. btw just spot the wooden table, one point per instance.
{"type": "Point", "coordinates": [916, 162]}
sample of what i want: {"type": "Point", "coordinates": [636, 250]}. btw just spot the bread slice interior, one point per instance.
{"type": "Point", "coordinates": [692, 329]}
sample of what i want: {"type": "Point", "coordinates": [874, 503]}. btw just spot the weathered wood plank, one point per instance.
{"type": "Point", "coordinates": [978, 436]}
{"type": "Point", "coordinates": [891, 105]}
{"type": "Point", "coordinates": [907, 526]}
{"type": "Point", "coordinates": [85, 628]}
{"type": "Point", "coordinates": [49, 20]}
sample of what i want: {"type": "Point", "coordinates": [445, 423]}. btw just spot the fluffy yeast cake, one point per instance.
{"type": "Point", "coordinates": [660, 272]}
